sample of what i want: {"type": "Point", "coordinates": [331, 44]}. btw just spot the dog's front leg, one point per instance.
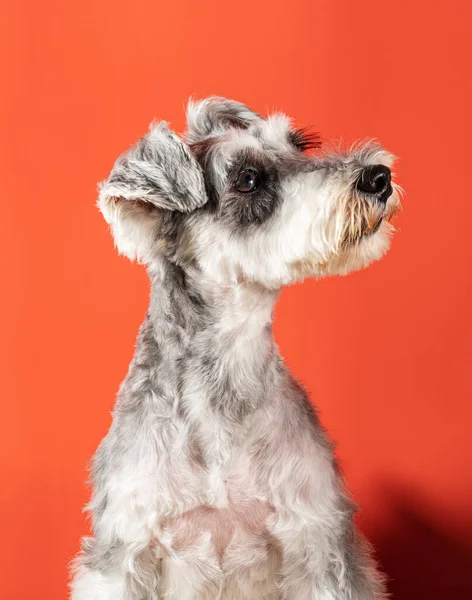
{"type": "Point", "coordinates": [321, 564]}
{"type": "Point", "coordinates": [115, 571]}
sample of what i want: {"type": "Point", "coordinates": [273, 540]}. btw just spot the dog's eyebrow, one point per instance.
{"type": "Point", "coordinates": [303, 139]}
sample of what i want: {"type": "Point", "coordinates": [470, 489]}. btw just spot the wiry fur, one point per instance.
{"type": "Point", "coordinates": [216, 479]}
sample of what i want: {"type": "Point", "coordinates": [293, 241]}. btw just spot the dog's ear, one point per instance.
{"type": "Point", "coordinates": [158, 174]}
{"type": "Point", "coordinates": [213, 116]}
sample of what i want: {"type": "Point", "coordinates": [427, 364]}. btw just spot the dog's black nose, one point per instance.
{"type": "Point", "coordinates": [376, 181]}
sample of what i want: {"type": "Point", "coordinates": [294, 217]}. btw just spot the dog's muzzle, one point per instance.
{"type": "Point", "coordinates": [375, 182]}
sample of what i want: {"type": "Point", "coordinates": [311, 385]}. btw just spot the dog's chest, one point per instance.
{"type": "Point", "coordinates": [236, 526]}
{"type": "Point", "coordinates": [231, 517]}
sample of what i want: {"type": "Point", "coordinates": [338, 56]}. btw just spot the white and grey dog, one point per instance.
{"type": "Point", "coordinates": [216, 479]}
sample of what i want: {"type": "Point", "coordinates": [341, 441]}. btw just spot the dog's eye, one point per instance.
{"type": "Point", "coordinates": [247, 181]}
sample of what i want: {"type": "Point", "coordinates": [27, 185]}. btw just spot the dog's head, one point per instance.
{"type": "Point", "coordinates": [243, 199]}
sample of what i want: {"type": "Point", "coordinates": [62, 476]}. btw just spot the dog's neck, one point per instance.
{"type": "Point", "coordinates": [206, 345]}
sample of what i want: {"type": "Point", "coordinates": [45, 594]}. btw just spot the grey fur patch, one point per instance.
{"type": "Point", "coordinates": [214, 115]}
{"type": "Point", "coordinates": [256, 207]}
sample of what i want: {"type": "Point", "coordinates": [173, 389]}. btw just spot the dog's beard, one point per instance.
{"type": "Point", "coordinates": [362, 217]}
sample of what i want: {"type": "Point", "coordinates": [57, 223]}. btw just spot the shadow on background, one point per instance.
{"type": "Point", "coordinates": [421, 561]}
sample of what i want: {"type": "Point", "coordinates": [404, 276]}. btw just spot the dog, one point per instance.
{"type": "Point", "coordinates": [216, 479]}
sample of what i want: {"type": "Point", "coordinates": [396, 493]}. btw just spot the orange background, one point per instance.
{"type": "Point", "coordinates": [385, 353]}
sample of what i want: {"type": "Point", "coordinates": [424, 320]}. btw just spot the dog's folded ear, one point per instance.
{"type": "Point", "coordinates": [158, 174]}
{"type": "Point", "coordinates": [213, 116]}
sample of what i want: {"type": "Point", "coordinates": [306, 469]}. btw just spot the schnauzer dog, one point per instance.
{"type": "Point", "coordinates": [216, 479]}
